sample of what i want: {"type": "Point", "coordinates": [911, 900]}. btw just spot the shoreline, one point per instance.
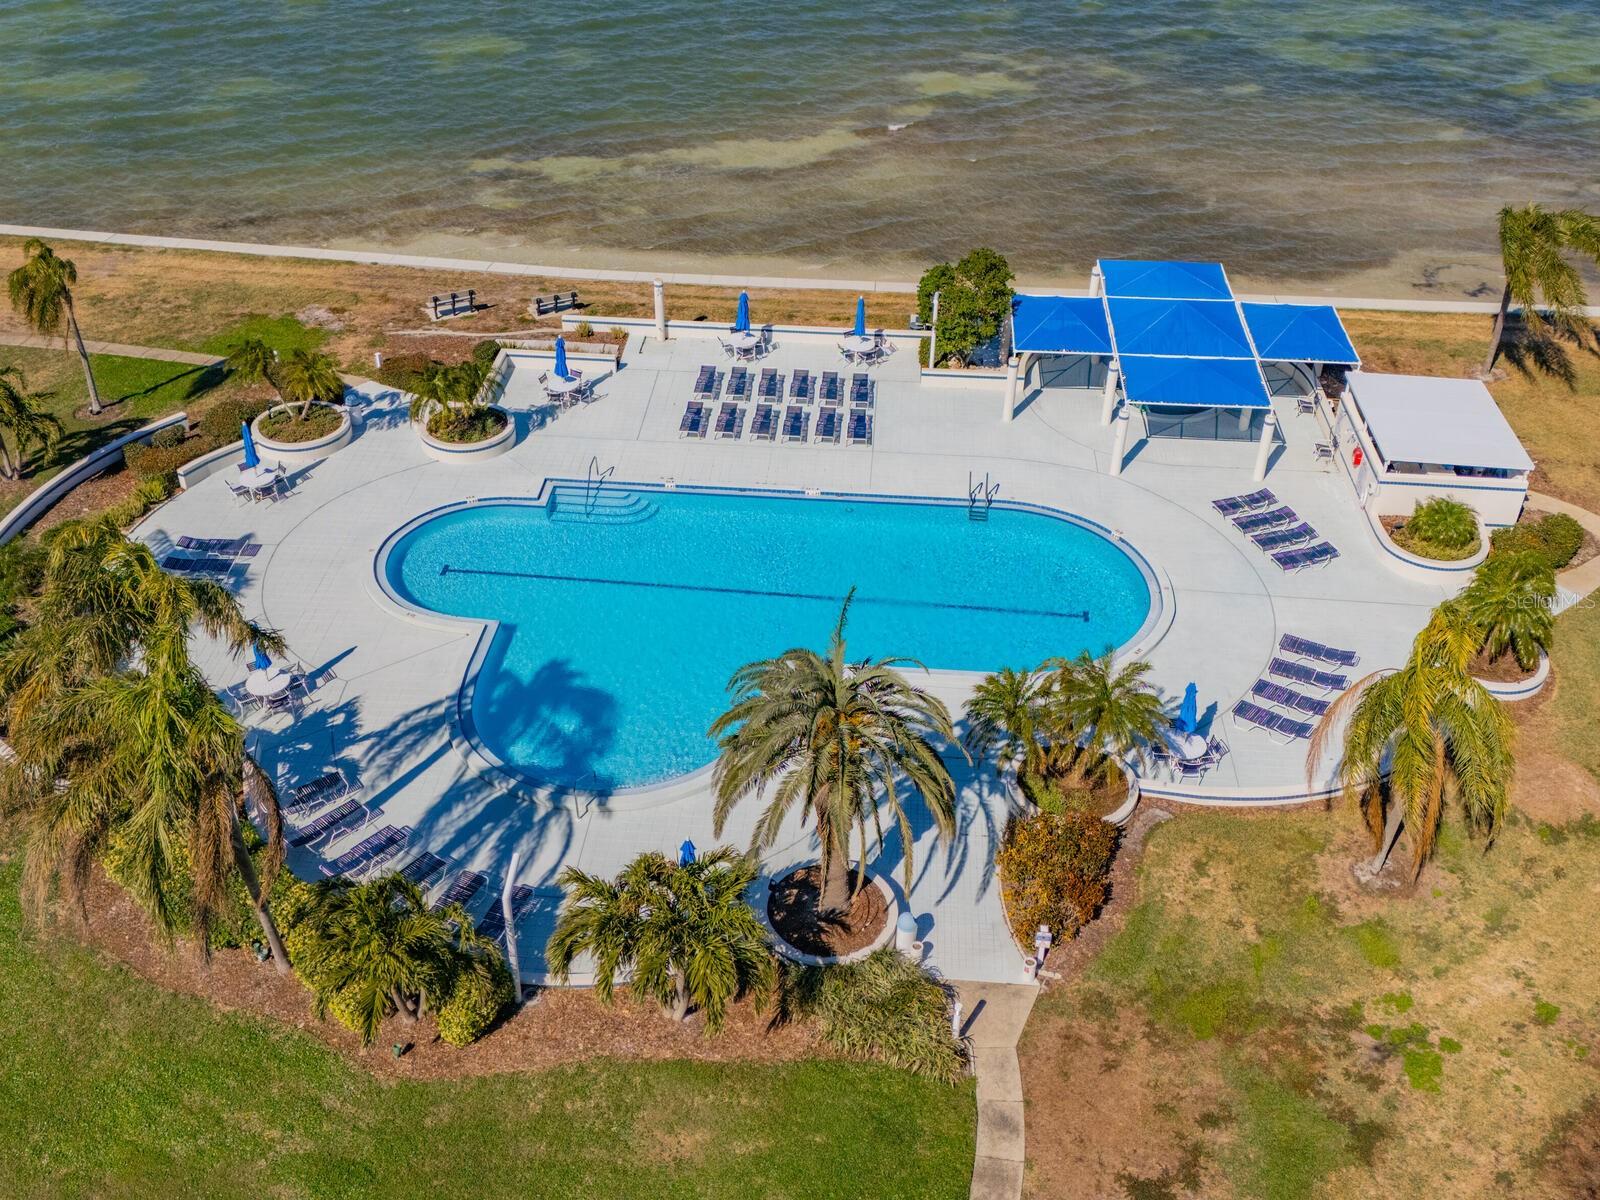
{"type": "Point", "coordinates": [355, 252]}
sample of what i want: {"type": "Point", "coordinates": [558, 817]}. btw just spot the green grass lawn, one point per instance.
{"type": "Point", "coordinates": [111, 1087]}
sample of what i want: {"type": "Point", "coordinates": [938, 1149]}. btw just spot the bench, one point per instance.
{"type": "Point", "coordinates": [456, 304]}
{"type": "Point", "coordinates": [543, 306]}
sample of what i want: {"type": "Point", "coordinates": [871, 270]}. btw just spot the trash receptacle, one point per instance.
{"type": "Point", "coordinates": [905, 933]}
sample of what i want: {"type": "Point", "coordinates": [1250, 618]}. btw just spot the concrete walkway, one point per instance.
{"type": "Point", "coordinates": [996, 1014]}
{"type": "Point", "coordinates": [1581, 580]}
{"type": "Point", "coordinates": [40, 341]}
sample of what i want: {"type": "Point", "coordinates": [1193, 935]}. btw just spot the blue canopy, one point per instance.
{"type": "Point", "coordinates": [1308, 333]}
{"type": "Point", "coordinates": [251, 458]}
{"type": "Point", "coordinates": [1060, 325]}
{"type": "Point", "coordinates": [1189, 710]}
{"type": "Point", "coordinates": [742, 322]}
{"type": "Point", "coordinates": [1165, 280]}
{"type": "Point", "coordinates": [860, 329]}
{"type": "Point", "coordinates": [259, 659]}
{"type": "Point", "coordinates": [561, 359]}
{"type": "Point", "coordinates": [1187, 328]}
{"type": "Point", "coordinates": [1194, 382]}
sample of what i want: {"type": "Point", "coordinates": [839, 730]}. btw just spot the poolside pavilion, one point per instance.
{"type": "Point", "coordinates": [1172, 341]}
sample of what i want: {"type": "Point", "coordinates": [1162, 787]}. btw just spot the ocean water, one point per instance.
{"type": "Point", "coordinates": [1366, 142]}
{"type": "Point", "coordinates": [622, 620]}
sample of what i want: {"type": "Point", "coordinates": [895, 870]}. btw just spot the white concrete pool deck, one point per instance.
{"type": "Point", "coordinates": [386, 718]}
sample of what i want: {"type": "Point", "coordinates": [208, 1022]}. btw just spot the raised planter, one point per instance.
{"type": "Point", "coordinates": [1427, 570]}
{"type": "Point", "coordinates": [294, 455]}
{"type": "Point", "coordinates": [1120, 816]}
{"type": "Point", "coordinates": [1520, 689]}
{"type": "Point", "coordinates": [874, 879]}
{"type": "Point", "coordinates": [466, 452]}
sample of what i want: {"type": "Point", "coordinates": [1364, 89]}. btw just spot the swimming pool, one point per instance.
{"type": "Point", "coordinates": [623, 613]}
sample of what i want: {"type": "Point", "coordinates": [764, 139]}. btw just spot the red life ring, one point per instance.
{"type": "Point", "coordinates": [1355, 457]}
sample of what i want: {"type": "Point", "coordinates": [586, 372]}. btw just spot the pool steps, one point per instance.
{"type": "Point", "coordinates": [600, 506]}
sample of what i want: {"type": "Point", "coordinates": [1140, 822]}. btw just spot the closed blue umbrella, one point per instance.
{"type": "Point", "coordinates": [686, 853]}
{"type": "Point", "coordinates": [1189, 710]}
{"type": "Point", "coordinates": [259, 661]}
{"type": "Point", "coordinates": [561, 359]}
{"type": "Point", "coordinates": [741, 323]}
{"type": "Point", "coordinates": [861, 316]}
{"type": "Point", "coordinates": [250, 457]}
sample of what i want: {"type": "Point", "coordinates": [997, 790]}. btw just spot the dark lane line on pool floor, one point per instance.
{"type": "Point", "coordinates": [1005, 610]}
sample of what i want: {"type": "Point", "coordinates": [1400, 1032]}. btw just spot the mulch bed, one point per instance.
{"type": "Point", "coordinates": [793, 908]}
{"type": "Point", "coordinates": [560, 1026]}
{"type": "Point", "coordinates": [1505, 669]}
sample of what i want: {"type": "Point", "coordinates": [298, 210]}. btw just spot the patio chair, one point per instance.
{"type": "Point", "coordinates": [1277, 539]}
{"type": "Point", "coordinates": [1229, 505]}
{"type": "Point", "coordinates": [705, 384]}
{"type": "Point", "coordinates": [695, 420]}
{"type": "Point", "coordinates": [860, 391]}
{"type": "Point", "coordinates": [830, 390]}
{"type": "Point", "coordinates": [828, 425]}
{"type": "Point", "coordinates": [738, 384]}
{"type": "Point", "coordinates": [462, 889]}
{"type": "Point", "coordinates": [730, 421]}
{"type": "Point", "coordinates": [846, 353]}
{"type": "Point", "coordinates": [771, 385]}
{"type": "Point", "coordinates": [352, 814]}
{"type": "Point", "coordinates": [800, 388]}
{"type": "Point", "coordinates": [373, 851]}
{"type": "Point", "coordinates": [325, 789]}
{"type": "Point", "coordinates": [1305, 648]}
{"type": "Point", "coordinates": [1306, 556]}
{"type": "Point", "coordinates": [764, 428]}
{"type": "Point", "coordinates": [493, 925]}
{"type": "Point", "coordinates": [1252, 522]}
{"type": "Point", "coordinates": [1276, 693]}
{"type": "Point", "coordinates": [1278, 727]}
{"type": "Point", "coordinates": [1304, 406]}
{"type": "Point", "coordinates": [284, 702]}
{"type": "Point", "coordinates": [860, 427]}
{"type": "Point", "coordinates": [1322, 452]}
{"type": "Point", "coordinates": [727, 348]}
{"type": "Point", "coordinates": [884, 346]}
{"type": "Point", "coordinates": [240, 492]}
{"type": "Point", "coordinates": [794, 424]}
{"type": "Point", "coordinates": [424, 870]}
{"type": "Point", "coordinates": [1301, 673]}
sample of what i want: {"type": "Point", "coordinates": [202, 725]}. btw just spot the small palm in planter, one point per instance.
{"type": "Point", "coordinates": [1510, 601]}
{"type": "Point", "coordinates": [1440, 528]}
{"type": "Point", "coordinates": [449, 400]}
{"type": "Point", "coordinates": [311, 387]}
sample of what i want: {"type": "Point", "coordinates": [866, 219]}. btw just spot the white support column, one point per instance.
{"type": "Point", "coordinates": [1244, 419]}
{"type": "Point", "coordinates": [1097, 281]}
{"type": "Point", "coordinates": [1012, 366]}
{"type": "Point", "coordinates": [511, 930]}
{"type": "Point", "coordinates": [660, 291]}
{"type": "Point", "coordinates": [1119, 441]}
{"type": "Point", "coordinates": [1264, 450]}
{"type": "Point", "coordinates": [1109, 406]}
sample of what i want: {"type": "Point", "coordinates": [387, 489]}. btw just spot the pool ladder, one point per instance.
{"type": "Point", "coordinates": [596, 479]}
{"type": "Point", "coordinates": [980, 496]}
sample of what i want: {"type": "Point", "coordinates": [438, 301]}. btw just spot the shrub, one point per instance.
{"type": "Point", "coordinates": [1056, 870]}
{"type": "Point", "coordinates": [1047, 795]}
{"type": "Point", "coordinates": [1443, 522]}
{"type": "Point", "coordinates": [475, 1003]}
{"type": "Point", "coordinates": [1555, 538]}
{"type": "Point", "coordinates": [483, 352]}
{"type": "Point", "coordinates": [221, 422]}
{"type": "Point", "coordinates": [403, 370]}
{"type": "Point", "coordinates": [154, 462]}
{"type": "Point", "coordinates": [583, 330]}
{"type": "Point", "coordinates": [884, 1008]}
{"type": "Point", "coordinates": [146, 495]}
{"type": "Point", "coordinates": [165, 439]}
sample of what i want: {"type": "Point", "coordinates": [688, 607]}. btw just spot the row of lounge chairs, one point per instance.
{"type": "Point", "coordinates": [370, 854]}
{"type": "Point", "coordinates": [1276, 528]}
{"type": "Point", "coordinates": [804, 388]}
{"type": "Point", "coordinates": [241, 547]}
{"type": "Point", "coordinates": [206, 565]}
{"type": "Point", "coordinates": [794, 426]}
{"type": "Point", "coordinates": [1282, 718]}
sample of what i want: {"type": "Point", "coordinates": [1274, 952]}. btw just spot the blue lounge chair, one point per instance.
{"type": "Point", "coordinates": [771, 385]}
{"type": "Point", "coordinates": [424, 870]}
{"type": "Point", "coordinates": [830, 390]}
{"type": "Point", "coordinates": [1252, 522]}
{"type": "Point", "coordinates": [696, 419]}
{"type": "Point", "coordinates": [860, 428]}
{"type": "Point", "coordinates": [705, 384]}
{"type": "Point", "coordinates": [794, 424]}
{"type": "Point", "coordinates": [372, 853]}
{"type": "Point", "coordinates": [800, 385]}
{"type": "Point", "coordinates": [860, 391]}
{"type": "Point", "coordinates": [739, 384]}
{"type": "Point", "coordinates": [730, 421]}
{"type": "Point", "coordinates": [1305, 556]}
{"type": "Point", "coordinates": [1276, 693]}
{"type": "Point", "coordinates": [1305, 648]}
{"type": "Point", "coordinates": [461, 891]}
{"type": "Point", "coordinates": [349, 814]}
{"type": "Point", "coordinates": [828, 425]}
{"type": "Point", "coordinates": [1278, 539]}
{"type": "Point", "coordinates": [1277, 726]}
{"type": "Point", "coordinates": [493, 924]}
{"type": "Point", "coordinates": [1300, 673]}
{"type": "Point", "coordinates": [325, 789]}
{"type": "Point", "coordinates": [764, 428]}
{"type": "Point", "coordinates": [1229, 505]}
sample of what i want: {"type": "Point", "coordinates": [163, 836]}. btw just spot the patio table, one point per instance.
{"type": "Point", "coordinates": [860, 345]}
{"type": "Point", "coordinates": [557, 386]}
{"type": "Point", "coordinates": [747, 339]}
{"type": "Point", "coordinates": [265, 683]}
{"type": "Point", "coordinates": [258, 479]}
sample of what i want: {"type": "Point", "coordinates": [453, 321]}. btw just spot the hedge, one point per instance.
{"type": "Point", "coordinates": [475, 1003]}
{"type": "Point", "coordinates": [1055, 870]}
{"type": "Point", "coordinates": [1556, 538]}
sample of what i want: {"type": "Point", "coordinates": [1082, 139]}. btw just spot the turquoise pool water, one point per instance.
{"type": "Point", "coordinates": [623, 616]}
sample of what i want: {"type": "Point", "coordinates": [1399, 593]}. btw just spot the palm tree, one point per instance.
{"type": "Point", "coordinates": [1534, 243]}
{"type": "Point", "coordinates": [252, 360]}
{"type": "Point", "coordinates": [1437, 732]}
{"type": "Point", "coordinates": [1510, 601]}
{"type": "Point", "coordinates": [1111, 710]}
{"type": "Point", "coordinates": [306, 377]}
{"type": "Point", "coordinates": [41, 291]}
{"type": "Point", "coordinates": [383, 950]}
{"type": "Point", "coordinates": [120, 743]}
{"type": "Point", "coordinates": [683, 934]}
{"type": "Point", "coordinates": [1009, 711]}
{"type": "Point", "coordinates": [831, 736]}
{"type": "Point", "coordinates": [455, 387]}
{"type": "Point", "coordinates": [22, 417]}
